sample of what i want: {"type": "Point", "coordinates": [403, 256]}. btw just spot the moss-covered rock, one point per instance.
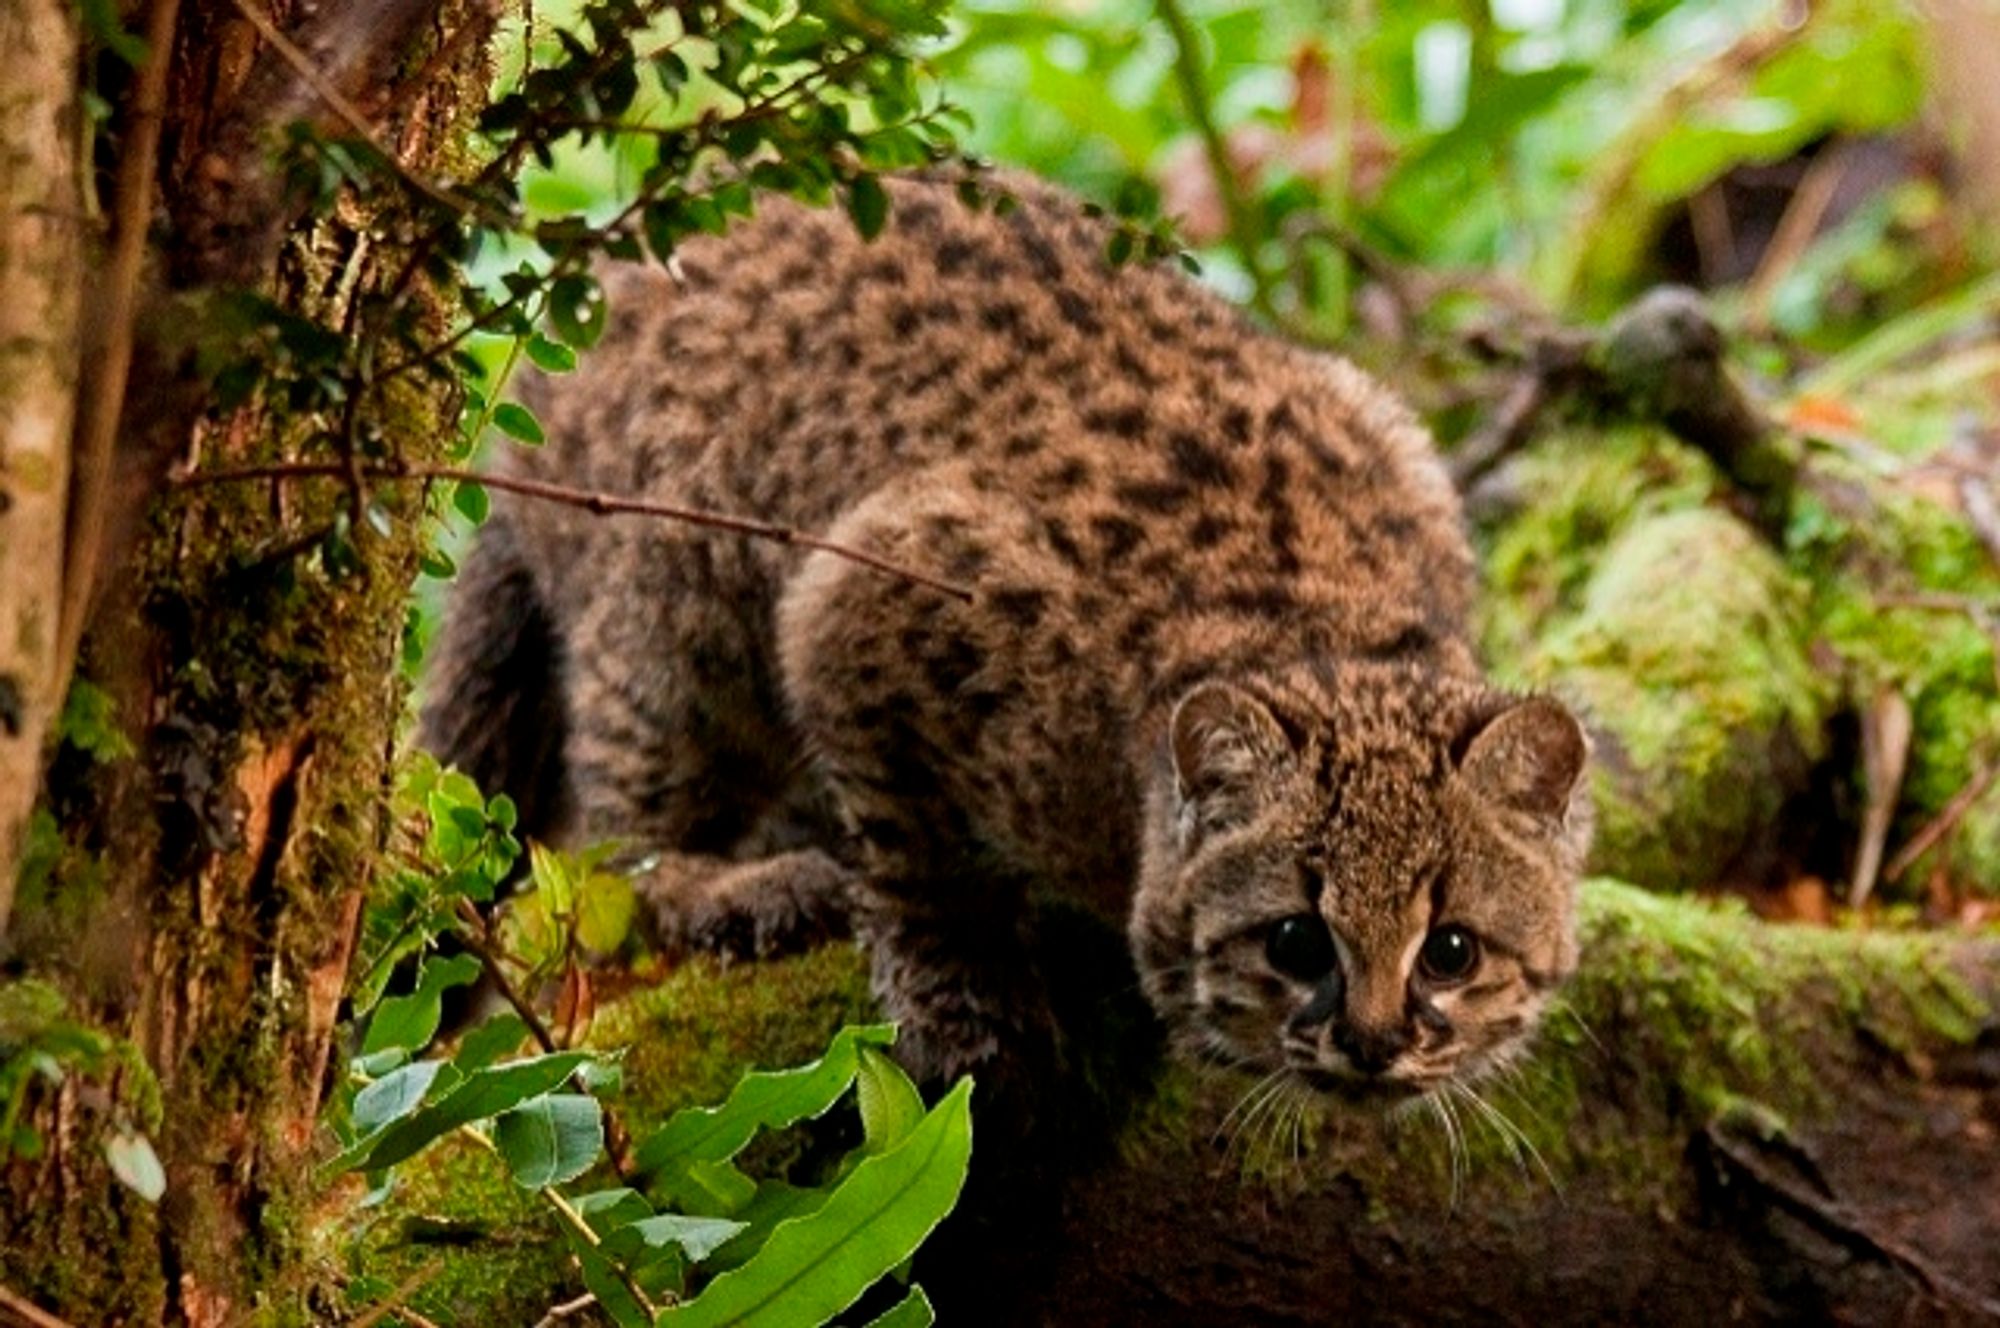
{"type": "Point", "coordinates": [1687, 656]}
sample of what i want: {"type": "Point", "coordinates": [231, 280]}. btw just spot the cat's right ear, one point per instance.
{"type": "Point", "coordinates": [1228, 751]}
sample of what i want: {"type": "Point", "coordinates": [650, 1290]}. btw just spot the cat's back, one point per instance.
{"type": "Point", "coordinates": [1167, 449]}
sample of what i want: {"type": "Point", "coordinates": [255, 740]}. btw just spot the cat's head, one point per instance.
{"type": "Point", "coordinates": [1367, 878]}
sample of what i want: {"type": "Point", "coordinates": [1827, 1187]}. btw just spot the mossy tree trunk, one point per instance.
{"type": "Point", "coordinates": [196, 910]}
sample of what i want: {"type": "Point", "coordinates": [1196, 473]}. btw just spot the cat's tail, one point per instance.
{"type": "Point", "coordinates": [493, 683]}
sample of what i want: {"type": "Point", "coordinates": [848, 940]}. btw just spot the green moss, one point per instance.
{"type": "Point", "coordinates": [1578, 491]}
{"type": "Point", "coordinates": [497, 1250]}
{"type": "Point", "coordinates": [691, 1037]}
{"type": "Point", "coordinates": [1898, 580]}
{"type": "Point", "coordinates": [1687, 656]}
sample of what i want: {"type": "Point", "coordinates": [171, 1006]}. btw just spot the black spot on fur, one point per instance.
{"type": "Point", "coordinates": [1149, 496]}
{"type": "Point", "coordinates": [1000, 316]}
{"type": "Point", "coordinates": [1236, 426]}
{"type": "Point", "coordinates": [1414, 639]}
{"type": "Point", "coordinates": [1064, 544]}
{"type": "Point", "coordinates": [1022, 606]}
{"type": "Point", "coordinates": [1275, 499]}
{"type": "Point", "coordinates": [1076, 311]}
{"type": "Point", "coordinates": [1119, 421]}
{"type": "Point", "coordinates": [1208, 531]}
{"type": "Point", "coordinates": [952, 255]}
{"type": "Point", "coordinates": [1117, 536]}
{"type": "Point", "coordinates": [1197, 462]}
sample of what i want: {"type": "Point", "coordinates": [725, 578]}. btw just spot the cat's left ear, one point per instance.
{"type": "Point", "coordinates": [1528, 758]}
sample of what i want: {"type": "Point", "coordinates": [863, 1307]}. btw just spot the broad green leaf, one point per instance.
{"type": "Point", "coordinates": [605, 906]}
{"type": "Point", "coordinates": [494, 1038]}
{"type": "Point", "coordinates": [713, 1189]}
{"type": "Point", "coordinates": [912, 1311]}
{"type": "Point", "coordinates": [484, 1093]}
{"type": "Point", "coordinates": [550, 1139]}
{"type": "Point", "coordinates": [519, 423]}
{"type": "Point", "coordinates": [411, 1021]}
{"type": "Point", "coordinates": [813, 1267]}
{"type": "Point", "coordinates": [890, 1106]}
{"type": "Point", "coordinates": [135, 1163]}
{"type": "Point", "coordinates": [394, 1095]}
{"type": "Point", "coordinates": [761, 1100]}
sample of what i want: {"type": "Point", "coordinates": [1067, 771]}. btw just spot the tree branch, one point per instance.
{"type": "Point", "coordinates": [100, 409]}
{"type": "Point", "coordinates": [1194, 92]}
{"type": "Point", "coordinates": [601, 504]}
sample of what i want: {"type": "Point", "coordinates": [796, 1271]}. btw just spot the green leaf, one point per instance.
{"type": "Point", "coordinates": [394, 1095]}
{"type": "Point", "coordinates": [577, 310]}
{"type": "Point", "coordinates": [519, 423]}
{"type": "Point", "coordinates": [890, 1106]}
{"type": "Point", "coordinates": [411, 1021]}
{"type": "Point", "coordinates": [813, 1267]}
{"type": "Point", "coordinates": [868, 204]}
{"type": "Point", "coordinates": [608, 1210]}
{"type": "Point", "coordinates": [550, 356]}
{"type": "Point", "coordinates": [135, 1163]}
{"type": "Point", "coordinates": [550, 1139]}
{"type": "Point", "coordinates": [601, 1279]}
{"type": "Point", "coordinates": [712, 1188]}
{"type": "Point", "coordinates": [484, 1093]}
{"type": "Point", "coordinates": [494, 1038]}
{"type": "Point", "coordinates": [471, 501]}
{"type": "Point", "coordinates": [697, 1237]}
{"type": "Point", "coordinates": [912, 1311]}
{"type": "Point", "coordinates": [606, 904]}
{"type": "Point", "coordinates": [763, 1099]}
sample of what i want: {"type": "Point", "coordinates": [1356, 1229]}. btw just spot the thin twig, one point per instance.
{"type": "Point", "coordinates": [601, 504]}
{"type": "Point", "coordinates": [475, 941]}
{"type": "Point", "coordinates": [569, 1309]}
{"type": "Point", "coordinates": [350, 114]}
{"type": "Point", "coordinates": [1195, 94]}
{"type": "Point", "coordinates": [393, 1302]}
{"type": "Point", "coordinates": [97, 433]}
{"type": "Point", "coordinates": [1796, 228]}
{"type": "Point", "coordinates": [28, 1312]}
{"type": "Point", "coordinates": [1512, 422]}
{"type": "Point", "coordinates": [1982, 512]}
{"type": "Point", "coordinates": [1941, 825]}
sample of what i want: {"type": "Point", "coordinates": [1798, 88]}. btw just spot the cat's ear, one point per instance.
{"type": "Point", "coordinates": [1228, 752]}
{"type": "Point", "coordinates": [1528, 758]}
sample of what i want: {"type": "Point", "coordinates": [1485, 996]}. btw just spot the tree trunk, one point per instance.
{"type": "Point", "coordinates": [41, 254]}
{"type": "Point", "coordinates": [183, 950]}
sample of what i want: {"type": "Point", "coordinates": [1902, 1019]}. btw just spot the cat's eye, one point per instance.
{"type": "Point", "coordinates": [1301, 947]}
{"type": "Point", "coordinates": [1449, 955]}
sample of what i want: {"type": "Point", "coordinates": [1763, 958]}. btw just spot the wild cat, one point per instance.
{"type": "Point", "coordinates": [1213, 676]}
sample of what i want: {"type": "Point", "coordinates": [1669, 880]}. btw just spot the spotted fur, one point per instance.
{"type": "Point", "coordinates": [1215, 670]}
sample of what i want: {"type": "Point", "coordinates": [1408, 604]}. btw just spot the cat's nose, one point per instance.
{"type": "Point", "coordinates": [1371, 1050]}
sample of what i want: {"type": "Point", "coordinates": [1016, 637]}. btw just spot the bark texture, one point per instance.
{"type": "Point", "coordinates": [201, 909]}
{"type": "Point", "coordinates": [41, 251]}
